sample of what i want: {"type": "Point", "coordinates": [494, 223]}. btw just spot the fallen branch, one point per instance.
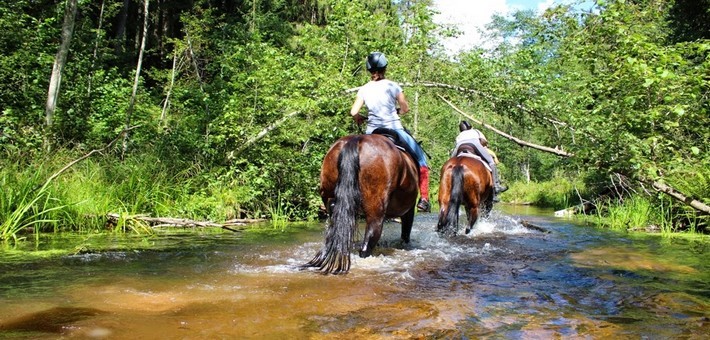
{"type": "Point", "coordinates": [491, 98]}
{"type": "Point", "coordinates": [72, 163]}
{"type": "Point", "coordinates": [263, 133]}
{"type": "Point", "coordinates": [531, 226]}
{"type": "Point", "coordinates": [518, 141]}
{"type": "Point", "coordinates": [161, 222]}
{"type": "Point", "coordinates": [585, 208]}
{"type": "Point", "coordinates": [695, 204]}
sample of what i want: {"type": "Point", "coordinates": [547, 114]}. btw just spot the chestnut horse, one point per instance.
{"type": "Point", "coordinates": [369, 174]}
{"type": "Point", "coordinates": [464, 180]}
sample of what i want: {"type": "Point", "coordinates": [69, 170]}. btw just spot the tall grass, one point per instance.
{"type": "Point", "coordinates": [635, 212]}
{"type": "Point", "coordinates": [279, 214]}
{"type": "Point", "coordinates": [82, 196]}
{"type": "Point", "coordinates": [557, 193]}
{"type": "Point", "coordinates": [24, 203]}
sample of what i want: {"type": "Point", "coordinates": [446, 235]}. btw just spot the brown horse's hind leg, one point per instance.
{"type": "Point", "coordinates": [472, 213]}
{"type": "Point", "coordinates": [407, 222]}
{"type": "Point", "coordinates": [373, 232]}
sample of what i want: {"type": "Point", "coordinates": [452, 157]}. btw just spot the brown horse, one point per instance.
{"type": "Point", "coordinates": [369, 174]}
{"type": "Point", "coordinates": [464, 179]}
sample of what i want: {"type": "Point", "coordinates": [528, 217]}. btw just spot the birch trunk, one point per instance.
{"type": "Point", "coordinates": [60, 61]}
{"type": "Point", "coordinates": [96, 48]}
{"type": "Point", "coordinates": [129, 113]}
{"type": "Point", "coordinates": [166, 105]}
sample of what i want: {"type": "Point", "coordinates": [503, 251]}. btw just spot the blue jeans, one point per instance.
{"type": "Point", "coordinates": [407, 138]}
{"type": "Point", "coordinates": [418, 152]}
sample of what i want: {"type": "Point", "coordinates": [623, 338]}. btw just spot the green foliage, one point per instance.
{"type": "Point", "coordinates": [24, 203]}
{"type": "Point", "coordinates": [623, 87]}
{"type": "Point", "coordinates": [633, 213]}
{"type": "Point", "coordinates": [557, 193]}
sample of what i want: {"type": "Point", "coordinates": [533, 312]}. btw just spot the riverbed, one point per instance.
{"type": "Point", "coordinates": [503, 280]}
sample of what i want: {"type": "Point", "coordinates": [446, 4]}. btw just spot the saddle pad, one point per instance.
{"type": "Point", "coordinates": [468, 154]}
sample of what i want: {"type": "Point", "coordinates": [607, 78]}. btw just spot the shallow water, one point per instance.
{"type": "Point", "coordinates": [501, 281]}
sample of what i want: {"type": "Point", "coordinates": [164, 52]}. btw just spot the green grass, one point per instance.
{"type": "Point", "coordinates": [558, 193]}
{"type": "Point", "coordinates": [633, 213]}
{"type": "Point", "coordinates": [79, 199]}
{"type": "Point", "coordinates": [642, 212]}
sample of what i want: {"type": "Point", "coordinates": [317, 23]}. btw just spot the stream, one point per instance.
{"type": "Point", "coordinates": [503, 280]}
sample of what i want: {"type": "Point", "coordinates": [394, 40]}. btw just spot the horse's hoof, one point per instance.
{"type": "Point", "coordinates": [467, 231]}
{"type": "Point", "coordinates": [364, 254]}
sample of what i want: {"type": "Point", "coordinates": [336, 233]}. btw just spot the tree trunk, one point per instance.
{"type": "Point", "coordinates": [129, 113]}
{"type": "Point", "coordinates": [164, 114]}
{"type": "Point", "coordinates": [60, 61]}
{"type": "Point", "coordinates": [416, 98]}
{"type": "Point", "coordinates": [668, 190]}
{"type": "Point", "coordinates": [96, 49]}
{"type": "Point", "coordinates": [525, 168]}
{"type": "Point", "coordinates": [121, 28]}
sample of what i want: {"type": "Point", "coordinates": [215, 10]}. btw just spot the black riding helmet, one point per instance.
{"type": "Point", "coordinates": [376, 61]}
{"type": "Point", "coordinates": [464, 125]}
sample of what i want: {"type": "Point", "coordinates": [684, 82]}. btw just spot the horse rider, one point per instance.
{"type": "Point", "coordinates": [475, 138]}
{"type": "Point", "coordinates": [381, 96]}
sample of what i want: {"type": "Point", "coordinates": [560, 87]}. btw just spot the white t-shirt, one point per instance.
{"type": "Point", "coordinates": [468, 136]}
{"type": "Point", "coordinates": [380, 97]}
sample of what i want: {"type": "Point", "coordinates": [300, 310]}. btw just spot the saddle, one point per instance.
{"type": "Point", "coordinates": [398, 142]}
{"type": "Point", "coordinates": [468, 150]}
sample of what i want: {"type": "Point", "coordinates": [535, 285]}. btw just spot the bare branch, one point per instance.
{"type": "Point", "coordinates": [493, 99]}
{"type": "Point", "coordinates": [72, 163]}
{"type": "Point", "coordinates": [695, 204]}
{"type": "Point", "coordinates": [162, 222]}
{"type": "Point", "coordinates": [518, 141]}
{"type": "Point", "coordinates": [264, 132]}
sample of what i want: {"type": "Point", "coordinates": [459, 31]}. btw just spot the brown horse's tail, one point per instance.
{"type": "Point", "coordinates": [449, 221]}
{"type": "Point", "coordinates": [334, 257]}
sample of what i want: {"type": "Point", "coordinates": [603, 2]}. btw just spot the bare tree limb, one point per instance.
{"type": "Point", "coordinates": [695, 204]}
{"type": "Point", "coordinates": [263, 133]}
{"type": "Point", "coordinates": [493, 99]}
{"type": "Point", "coordinates": [161, 222]}
{"type": "Point", "coordinates": [166, 104]}
{"type": "Point", "coordinates": [72, 163]}
{"type": "Point", "coordinates": [518, 141]}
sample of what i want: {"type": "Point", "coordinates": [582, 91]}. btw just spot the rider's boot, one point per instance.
{"type": "Point", "coordinates": [424, 205]}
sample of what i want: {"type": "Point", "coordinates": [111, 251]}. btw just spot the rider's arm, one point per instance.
{"type": "Point", "coordinates": [403, 105]}
{"type": "Point", "coordinates": [357, 105]}
{"type": "Point", "coordinates": [355, 110]}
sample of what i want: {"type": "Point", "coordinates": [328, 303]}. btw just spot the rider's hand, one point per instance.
{"type": "Point", "coordinates": [359, 119]}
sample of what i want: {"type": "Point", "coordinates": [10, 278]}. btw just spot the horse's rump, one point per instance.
{"type": "Point", "coordinates": [464, 181]}
{"type": "Point", "coordinates": [368, 174]}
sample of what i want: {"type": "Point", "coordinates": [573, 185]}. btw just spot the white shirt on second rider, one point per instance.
{"type": "Point", "coordinates": [469, 136]}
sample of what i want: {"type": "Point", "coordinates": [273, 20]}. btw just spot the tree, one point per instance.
{"type": "Point", "coordinates": [136, 80]}
{"type": "Point", "coordinates": [60, 61]}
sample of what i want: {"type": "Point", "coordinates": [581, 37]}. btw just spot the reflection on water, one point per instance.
{"type": "Point", "coordinates": [503, 280]}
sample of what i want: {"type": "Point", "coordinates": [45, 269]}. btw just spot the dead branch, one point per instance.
{"type": "Point", "coordinates": [72, 163]}
{"type": "Point", "coordinates": [518, 141]}
{"type": "Point", "coordinates": [695, 204]}
{"type": "Point", "coordinates": [487, 96]}
{"type": "Point", "coordinates": [531, 226]}
{"type": "Point", "coordinates": [161, 222]}
{"type": "Point", "coordinates": [263, 133]}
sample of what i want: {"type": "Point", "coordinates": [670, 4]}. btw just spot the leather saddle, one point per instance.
{"type": "Point", "coordinates": [398, 142]}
